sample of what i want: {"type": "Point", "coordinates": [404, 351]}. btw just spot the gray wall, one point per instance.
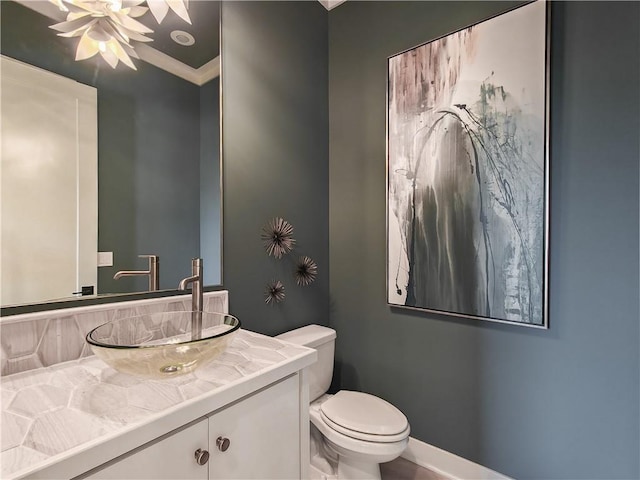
{"type": "Point", "coordinates": [275, 141]}
{"type": "Point", "coordinates": [148, 175]}
{"type": "Point", "coordinates": [561, 403]}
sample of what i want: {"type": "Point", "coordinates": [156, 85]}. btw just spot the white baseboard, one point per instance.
{"type": "Point", "coordinates": [447, 464]}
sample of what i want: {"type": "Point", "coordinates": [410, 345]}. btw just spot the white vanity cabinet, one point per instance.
{"type": "Point", "coordinates": [263, 432]}
{"type": "Point", "coordinates": [256, 437]}
{"type": "Point", "coordinates": [249, 410]}
{"type": "Point", "coordinates": [172, 457]}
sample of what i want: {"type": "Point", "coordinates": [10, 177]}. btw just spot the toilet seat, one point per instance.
{"type": "Point", "coordinates": [347, 446]}
{"type": "Point", "coordinates": [364, 417]}
{"type": "Point", "coordinates": [367, 437]}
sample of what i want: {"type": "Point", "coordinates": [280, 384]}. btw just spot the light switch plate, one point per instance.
{"type": "Point", "coordinates": [105, 259]}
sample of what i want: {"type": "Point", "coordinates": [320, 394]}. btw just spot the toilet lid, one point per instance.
{"type": "Point", "coordinates": [364, 413]}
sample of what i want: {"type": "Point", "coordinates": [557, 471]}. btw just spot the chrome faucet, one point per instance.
{"type": "Point", "coordinates": [196, 296]}
{"type": "Point", "coordinates": [153, 272]}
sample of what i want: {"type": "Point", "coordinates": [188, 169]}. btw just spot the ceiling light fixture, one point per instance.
{"type": "Point", "coordinates": [108, 27]}
{"type": "Point", "coordinates": [159, 9]}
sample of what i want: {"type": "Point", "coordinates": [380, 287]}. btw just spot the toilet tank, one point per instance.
{"type": "Point", "coordinates": [323, 339]}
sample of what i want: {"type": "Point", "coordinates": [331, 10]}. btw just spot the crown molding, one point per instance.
{"type": "Point", "coordinates": [329, 4]}
{"type": "Point", "coordinates": [198, 76]}
{"type": "Point", "coordinates": [209, 71]}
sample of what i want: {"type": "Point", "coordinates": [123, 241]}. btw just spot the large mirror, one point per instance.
{"type": "Point", "coordinates": [157, 148]}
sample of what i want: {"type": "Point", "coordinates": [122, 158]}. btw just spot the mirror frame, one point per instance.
{"type": "Point", "coordinates": [100, 299]}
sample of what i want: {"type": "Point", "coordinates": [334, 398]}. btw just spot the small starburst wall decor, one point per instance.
{"type": "Point", "coordinates": [274, 293]}
{"type": "Point", "coordinates": [277, 237]}
{"type": "Point", "coordinates": [305, 271]}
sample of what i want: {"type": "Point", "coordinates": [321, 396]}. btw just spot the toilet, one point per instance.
{"type": "Point", "coordinates": [351, 432]}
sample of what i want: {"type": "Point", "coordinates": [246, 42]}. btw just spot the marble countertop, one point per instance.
{"type": "Point", "coordinates": [52, 415]}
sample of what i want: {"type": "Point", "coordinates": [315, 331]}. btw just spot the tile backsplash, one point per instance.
{"type": "Point", "coordinates": [42, 339]}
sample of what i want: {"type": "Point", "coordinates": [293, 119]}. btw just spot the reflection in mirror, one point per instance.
{"type": "Point", "coordinates": [158, 176]}
{"type": "Point", "coordinates": [49, 217]}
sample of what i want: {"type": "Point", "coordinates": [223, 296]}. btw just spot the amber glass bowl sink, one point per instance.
{"type": "Point", "coordinates": [161, 345]}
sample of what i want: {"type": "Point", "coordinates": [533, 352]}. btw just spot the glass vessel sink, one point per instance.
{"type": "Point", "coordinates": [161, 345]}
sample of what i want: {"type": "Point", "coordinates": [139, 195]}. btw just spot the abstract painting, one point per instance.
{"type": "Point", "coordinates": [467, 171]}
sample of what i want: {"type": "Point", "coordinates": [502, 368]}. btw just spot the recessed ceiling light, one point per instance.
{"type": "Point", "coordinates": [183, 38]}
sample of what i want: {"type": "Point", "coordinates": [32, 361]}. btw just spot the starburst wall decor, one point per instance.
{"type": "Point", "coordinates": [278, 241]}
{"type": "Point", "coordinates": [305, 271]}
{"type": "Point", "coordinates": [274, 293]}
{"type": "Point", "coordinates": [277, 237]}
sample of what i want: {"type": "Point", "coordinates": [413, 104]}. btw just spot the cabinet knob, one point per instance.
{"type": "Point", "coordinates": [223, 443]}
{"type": "Point", "coordinates": [202, 456]}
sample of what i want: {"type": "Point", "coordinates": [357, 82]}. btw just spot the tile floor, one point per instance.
{"type": "Point", "coordinates": [401, 469]}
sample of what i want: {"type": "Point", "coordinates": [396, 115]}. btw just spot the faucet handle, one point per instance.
{"type": "Point", "coordinates": [196, 267]}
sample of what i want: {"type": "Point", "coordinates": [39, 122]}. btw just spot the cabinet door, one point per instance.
{"type": "Point", "coordinates": [263, 431]}
{"type": "Point", "coordinates": [172, 457]}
